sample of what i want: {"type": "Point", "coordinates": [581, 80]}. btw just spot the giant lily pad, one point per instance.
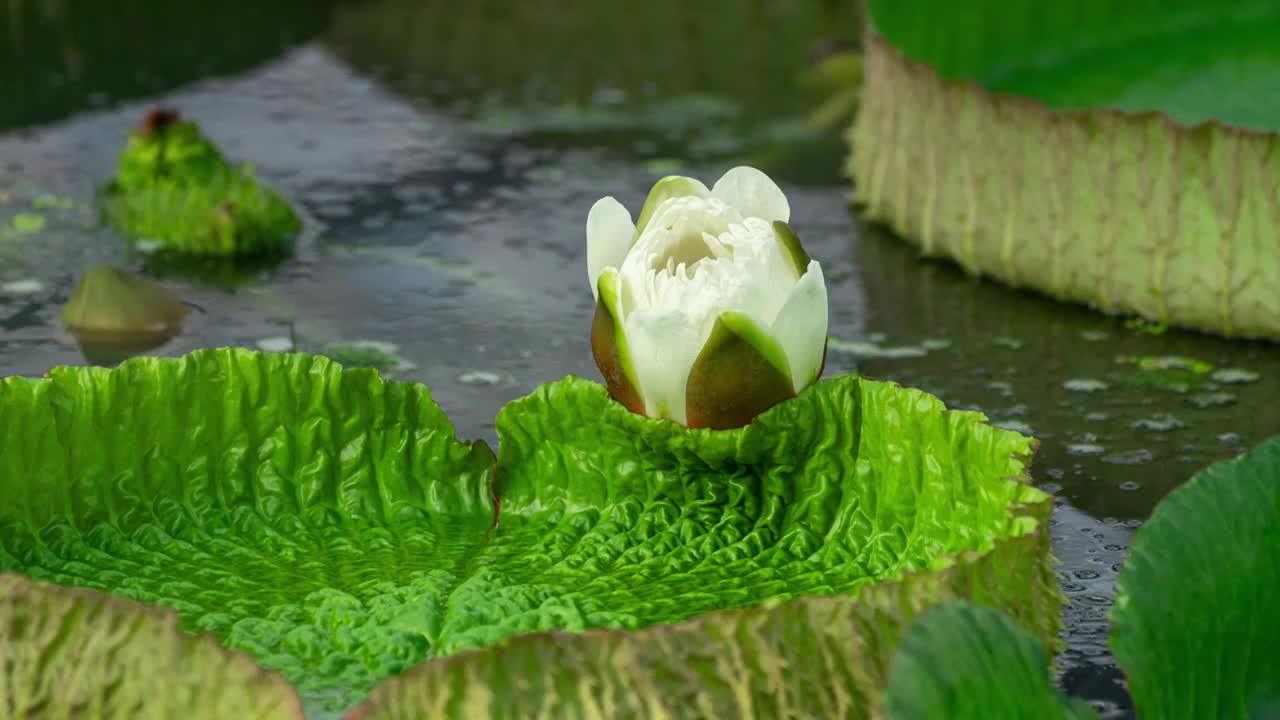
{"type": "Point", "coordinates": [173, 187]}
{"type": "Point", "coordinates": [1198, 602]}
{"type": "Point", "coordinates": [1194, 621]}
{"type": "Point", "coordinates": [77, 653]}
{"type": "Point", "coordinates": [1118, 154]}
{"type": "Point", "coordinates": [328, 523]}
{"type": "Point", "coordinates": [963, 662]}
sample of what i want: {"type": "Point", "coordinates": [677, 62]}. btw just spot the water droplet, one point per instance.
{"type": "Point", "coordinates": [1158, 423]}
{"type": "Point", "coordinates": [1129, 486]}
{"type": "Point", "coordinates": [479, 377]}
{"type": "Point", "coordinates": [935, 344]}
{"type": "Point", "coordinates": [1085, 449]}
{"type": "Point", "coordinates": [1234, 376]}
{"type": "Point", "coordinates": [1084, 385]}
{"type": "Point", "coordinates": [1129, 457]}
{"type": "Point", "coordinates": [1085, 575]}
{"type": "Point", "coordinates": [1007, 342]}
{"type": "Point", "coordinates": [1097, 417]}
{"type": "Point", "coordinates": [1229, 438]}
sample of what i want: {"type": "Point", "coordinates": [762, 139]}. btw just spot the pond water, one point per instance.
{"type": "Point", "coordinates": [445, 159]}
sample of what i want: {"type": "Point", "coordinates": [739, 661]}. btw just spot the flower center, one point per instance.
{"type": "Point", "coordinates": [688, 250]}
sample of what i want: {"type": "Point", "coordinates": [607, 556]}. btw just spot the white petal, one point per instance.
{"type": "Point", "coordinates": [663, 346]}
{"type": "Point", "coordinates": [671, 186]}
{"type": "Point", "coordinates": [609, 232]}
{"type": "Point", "coordinates": [801, 326]}
{"type": "Point", "coordinates": [753, 194]}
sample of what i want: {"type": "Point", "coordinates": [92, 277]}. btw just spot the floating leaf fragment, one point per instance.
{"type": "Point", "coordinates": [479, 377]}
{"type": "Point", "coordinates": [376, 354]}
{"type": "Point", "coordinates": [874, 350]}
{"type": "Point", "coordinates": [28, 223]}
{"type": "Point", "coordinates": [1085, 449]}
{"type": "Point", "coordinates": [1235, 376]}
{"type": "Point", "coordinates": [1146, 327]}
{"type": "Point", "coordinates": [29, 286]}
{"type": "Point", "coordinates": [1084, 385]}
{"type": "Point", "coordinates": [110, 300]}
{"type": "Point", "coordinates": [1129, 457]}
{"type": "Point", "coordinates": [1158, 423]}
{"type": "Point", "coordinates": [1173, 373]}
{"type": "Point", "coordinates": [1211, 400]}
{"type": "Point", "coordinates": [275, 344]}
{"type": "Point", "coordinates": [52, 202]}
{"type": "Point", "coordinates": [115, 315]}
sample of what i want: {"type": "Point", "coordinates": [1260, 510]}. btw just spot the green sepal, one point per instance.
{"type": "Point", "coordinates": [740, 373]}
{"type": "Point", "coordinates": [791, 247]}
{"type": "Point", "coordinates": [609, 344]}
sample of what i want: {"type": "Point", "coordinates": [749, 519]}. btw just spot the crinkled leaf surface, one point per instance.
{"type": "Point", "coordinates": [959, 661]}
{"type": "Point", "coordinates": [1197, 613]}
{"type": "Point", "coordinates": [648, 523]}
{"type": "Point", "coordinates": [77, 653]}
{"type": "Point", "coordinates": [328, 522]}
{"type": "Point", "coordinates": [1194, 60]}
{"type": "Point", "coordinates": [313, 518]}
{"type": "Point", "coordinates": [174, 187]}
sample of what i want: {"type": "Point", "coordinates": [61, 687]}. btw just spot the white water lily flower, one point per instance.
{"type": "Point", "coordinates": [708, 310]}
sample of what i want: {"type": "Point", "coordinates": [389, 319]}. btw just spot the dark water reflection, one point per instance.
{"type": "Point", "coordinates": [445, 156]}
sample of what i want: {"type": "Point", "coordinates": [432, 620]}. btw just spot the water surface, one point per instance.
{"type": "Point", "coordinates": [445, 159]}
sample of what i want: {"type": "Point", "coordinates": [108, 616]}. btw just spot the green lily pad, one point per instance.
{"type": "Point", "coordinates": [109, 300]}
{"type": "Point", "coordinates": [1194, 623]}
{"type": "Point", "coordinates": [959, 661]}
{"type": "Point", "coordinates": [1115, 154]}
{"type": "Point", "coordinates": [174, 188]}
{"type": "Point", "coordinates": [115, 315]}
{"type": "Point", "coordinates": [77, 653]}
{"type": "Point", "coordinates": [329, 524]}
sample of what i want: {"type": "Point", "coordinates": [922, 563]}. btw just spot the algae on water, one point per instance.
{"type": "Point", "coordinates": [174, 188]}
